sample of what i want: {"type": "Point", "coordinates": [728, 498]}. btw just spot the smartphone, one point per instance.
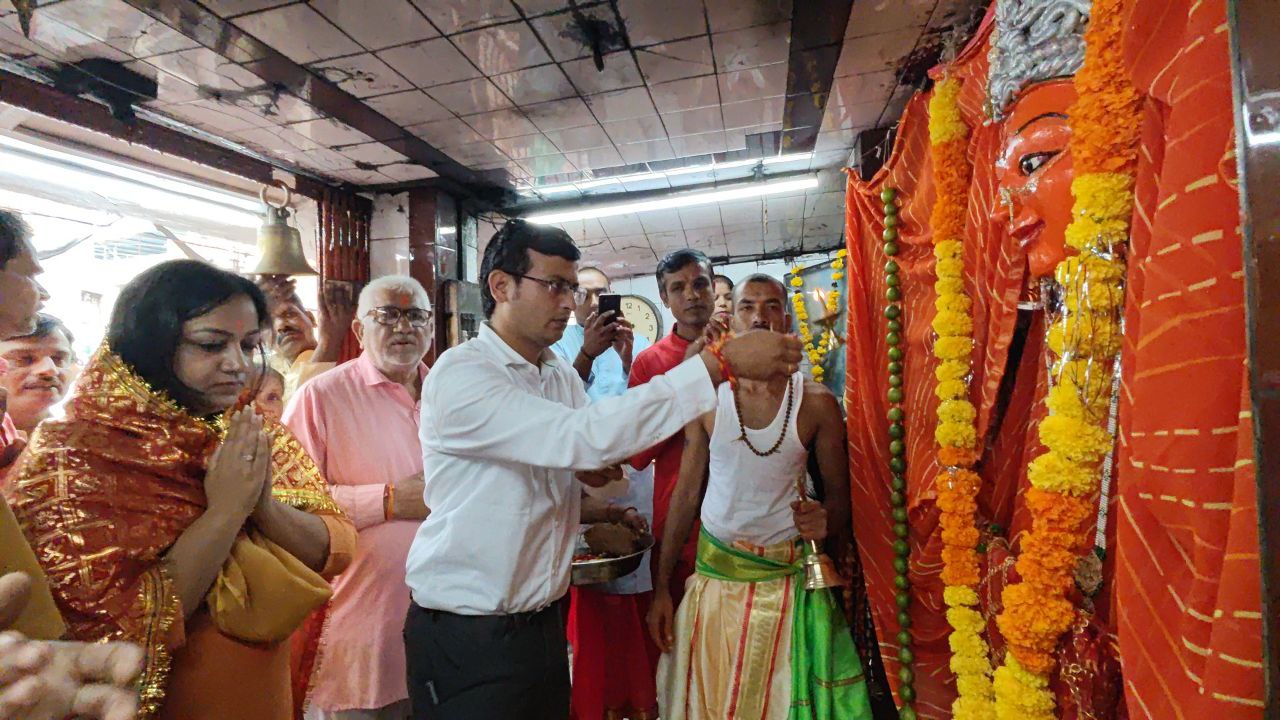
{"type": "Point", "coordinates": [610, 302]}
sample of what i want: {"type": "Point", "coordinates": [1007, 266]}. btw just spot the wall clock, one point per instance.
{"type": "Point", "coordinates": [643, 315]}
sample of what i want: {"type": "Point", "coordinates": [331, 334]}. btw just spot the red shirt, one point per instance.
{"type": "Point", "coordinates": [663, 356]}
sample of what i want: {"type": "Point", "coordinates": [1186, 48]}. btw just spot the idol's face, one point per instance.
{"type": "Point", "coordinates": [1034, 174]}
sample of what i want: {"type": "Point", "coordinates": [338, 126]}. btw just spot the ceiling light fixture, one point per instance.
{"type": "Point", "coordinates": [667, 202]}
{"type": "Point", "coordinates": [563, 188]}
{"type": "Point", "coordinates": [127, 190]}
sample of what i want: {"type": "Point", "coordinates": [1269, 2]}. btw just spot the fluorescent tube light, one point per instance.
{"type": "Point", "coordinates": [675, 201]}
{"type": "Point", "coordinates": [659, 174]}
{"type": "Point", "coordinates": [128, 186]}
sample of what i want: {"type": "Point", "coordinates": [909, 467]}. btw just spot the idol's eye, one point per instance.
{"type": "Point", "coordinates": [1033, 162]}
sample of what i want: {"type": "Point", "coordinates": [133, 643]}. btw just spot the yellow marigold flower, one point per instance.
{"type": "Point", "coordinates": [948, 250]}
{"type": "Point", "coordinates": [951, 370]}
{"type": "Point", "coordinates": [956, 435]}
{"type": "Point", "coordinates": [837, 276]}
{"type": "Point", "coordinates": [1087, 234]}
{"type": "Point", "coordinates": [969, 707]}
{"type": "Point", "coordinates": [966, 620]}
{"type": "Point", "coordinates": [1102, 195]}
{"type": "Point", "coordinates": [949, 322]}
{"type": "Point", "coordinates": [978, 683]}
{"type": "Point", "coordinates": [1052, 472]}
{"type": "Point", "coordinates": [842, 253]}
{"type": "Point", "coordinates": [949, 286]}
{"type": "Point", "coordinates": [1077, 440]}
{"type": "Point", "coordinates": [837, 264]}
{"type": "Point", "coordinates": [797, 282]}
{"type": "Point", "coordinates": [1090, 379]}
{"type": "Point", "coordinates": [956, 411]}
{"type": "Point", "coordinates": [1063, 400]}
{"type": "Point", "coordinates": [953, 348]}
{"type": "Point", "coordinates": [949, 268]}
{"type": "Point", "coordinates": [1097, 269]}
{"type": "Point", "coordinates": [1085, 335]}
{"type": "Point", "coordinates": [945, 120]}
{"type": "Point", "coordinates": [948, 389]}
{"type": "Point", "coordinates": [1019, 697]}
{"type": "Point", "coordinates": [956, 303]}
{"type": "Point", "coordinates": [1082, 292]}
{"type": "Point", "coordinates": [959, 596]}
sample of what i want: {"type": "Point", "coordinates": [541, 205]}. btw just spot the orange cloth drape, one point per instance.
{"type": "Point", "coordinates": [1187, 582]}
{"type": "Point", "coordinates": [1183, 570]}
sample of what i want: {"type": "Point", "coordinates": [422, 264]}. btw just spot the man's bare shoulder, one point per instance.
{"type": "Point", "coordinates": [819, 403]}
{"type": "Point", "coordinates": [818, 393]}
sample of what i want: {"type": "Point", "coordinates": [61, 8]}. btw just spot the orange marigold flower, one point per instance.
{"type": "Point", "coordinates": [957, 457]}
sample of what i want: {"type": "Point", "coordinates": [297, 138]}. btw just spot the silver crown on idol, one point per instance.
{"type": "Point", "coordinates": [1035, 40]}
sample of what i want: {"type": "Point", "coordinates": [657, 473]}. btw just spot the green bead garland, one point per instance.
{"type": "Point", "coordinates": [897, 447]}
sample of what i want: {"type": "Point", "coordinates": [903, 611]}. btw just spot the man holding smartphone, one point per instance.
{"type": "Point", "coordinates": [599, 330]}
{"type": "Point", "coordinates": [613, 664]}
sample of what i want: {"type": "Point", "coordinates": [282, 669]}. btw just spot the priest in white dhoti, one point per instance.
{"type": "Point", "coordinates": [748, 640]}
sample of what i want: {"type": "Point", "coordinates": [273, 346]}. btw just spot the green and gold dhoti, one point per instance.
{"type": "Point", "coordinates": [752, 643]}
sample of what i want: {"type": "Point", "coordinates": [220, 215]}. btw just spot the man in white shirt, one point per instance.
{"type": "Point", "coordinates": [506, 428]}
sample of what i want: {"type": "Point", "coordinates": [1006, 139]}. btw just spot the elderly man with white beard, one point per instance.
{"type": "Point", "coordinates": [359, 422]}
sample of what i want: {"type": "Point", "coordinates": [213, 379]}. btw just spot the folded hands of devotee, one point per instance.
{"type": "Point", "coordinates": [236, 483]}
{"type": "Point", "coordinates": [811, 519]}
{"type": "Point", "coordinates": [600, 478]}
{"type": "Point", "coordinates": [53, 680]}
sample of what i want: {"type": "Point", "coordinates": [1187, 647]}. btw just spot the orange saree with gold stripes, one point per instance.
{"type": "Point", "coordinates": [104, 493]}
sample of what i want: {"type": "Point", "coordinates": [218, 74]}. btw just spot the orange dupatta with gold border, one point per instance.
{"type": "Point", "coordinates": [104, 493]}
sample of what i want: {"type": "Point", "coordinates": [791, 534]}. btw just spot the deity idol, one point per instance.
{"type": "Point", "coordinates": [1038, 46]}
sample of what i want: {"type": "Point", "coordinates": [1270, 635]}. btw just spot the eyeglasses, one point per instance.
{"type": "Point", "coordinates": [389, 315]}
{"type": "Point", "coordinates": [558, 288]}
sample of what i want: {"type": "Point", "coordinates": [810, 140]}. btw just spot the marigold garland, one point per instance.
{"type": "Point", "coordinates": [1104, 140]}
{"type": "Point", "coordinates": [817, 352]}
{"type": "Point", "coordinates": [956, 432]}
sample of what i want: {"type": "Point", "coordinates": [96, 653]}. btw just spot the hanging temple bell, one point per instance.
{"type": "Point", "coordinates": [279, 243]}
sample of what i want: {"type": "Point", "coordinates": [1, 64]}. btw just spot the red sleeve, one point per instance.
{"type": "Point", "coordinates": [641, 373]}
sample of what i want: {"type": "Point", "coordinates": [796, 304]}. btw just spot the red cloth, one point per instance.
{"type": "Point", "coordinates": [614, 662]}
{"type": "Point", "coordinates": [1187, 594]}
{"type": "Point", "coordinates": [659, 358]}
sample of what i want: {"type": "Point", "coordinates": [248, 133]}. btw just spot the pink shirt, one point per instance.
{"type": "Point", "coordinates": [362, 431]}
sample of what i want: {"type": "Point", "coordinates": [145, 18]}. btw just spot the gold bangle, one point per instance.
{"type": "Point", "coordinates": [389, 502]}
